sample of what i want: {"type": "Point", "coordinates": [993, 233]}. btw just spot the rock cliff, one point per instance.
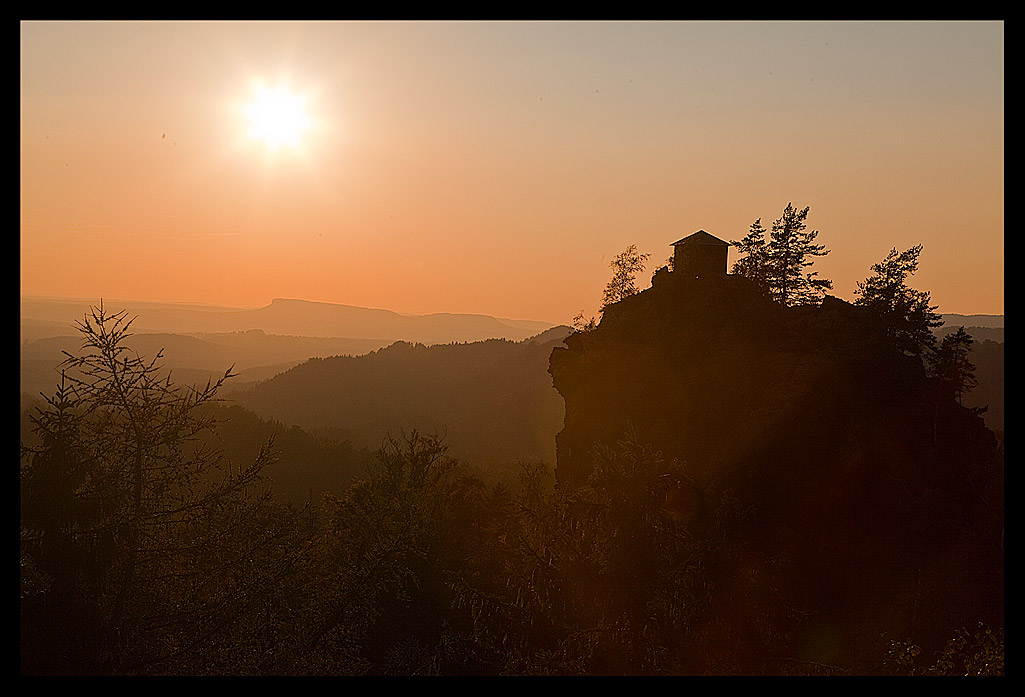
{"type": "Point", "coordinates": [880, 496]}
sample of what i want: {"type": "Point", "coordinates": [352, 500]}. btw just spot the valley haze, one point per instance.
{"type": "Point", "coordinates": [289, 317]}
{"type": "Point", "coordinates": [201, 341]}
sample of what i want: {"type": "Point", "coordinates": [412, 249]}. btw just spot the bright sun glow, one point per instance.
{"type": "Point", "coordinates": [277, 117]}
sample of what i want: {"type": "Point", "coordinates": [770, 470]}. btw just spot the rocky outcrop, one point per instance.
{"type": "Point", "coordinates": [883, 496]}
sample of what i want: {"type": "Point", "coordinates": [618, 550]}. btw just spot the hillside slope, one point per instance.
{"type": "Point", "coordinates": [493, 399]}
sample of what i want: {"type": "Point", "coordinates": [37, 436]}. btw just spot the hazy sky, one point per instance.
{"type": "Point", "coordinates": [497, 167]}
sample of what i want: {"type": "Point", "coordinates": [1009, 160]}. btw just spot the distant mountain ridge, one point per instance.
{"type": "Point", "coordinates": [973, 320]}
{"type": "Point", "coordinates": [41, 317]}
{"type": "Point", "coordinates": [981, 327]}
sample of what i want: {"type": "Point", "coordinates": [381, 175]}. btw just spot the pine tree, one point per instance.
{"type": "Point", "coordinates": [906, 313]}
{"type": "Point", "coordinates": [789, 248]}
{"type": "Point", "coordinates": [951, 365]}
{"type": "Point", "coordinates": [754, 263]}
{"type": "Point", "coordinates": [779, 265]}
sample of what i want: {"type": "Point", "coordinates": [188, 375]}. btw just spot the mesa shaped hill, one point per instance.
{"type": "Point", "coordinates": [874, 495]}
{"type": "Point", "coordinates": [492, 400]}
{"type": "Point", "coordinates": [44, 316]}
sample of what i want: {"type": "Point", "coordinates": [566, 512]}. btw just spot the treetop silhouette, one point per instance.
{"type": "Point", "coordinates": [907, 314]}
{"type": "Point", "coordinates": [778, 265]}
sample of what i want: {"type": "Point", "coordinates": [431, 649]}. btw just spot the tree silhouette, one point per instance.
{"type": "Point", "coordinates": [906, 313]}
{"type": "Point", "coordinates": [625, 267]}
{"type": "Point", "coordinates": [951, 365]}
{"type": "Point", "coordinates": [754, 262]}
{"type": "Point", "coordinates": [778, 265]}
{"type": "Point", "coordinates": [413, 547]}
{"type": "Point", "coordinates": [144, 541]}
{"type": "Point", "coordinates": [582, 323]}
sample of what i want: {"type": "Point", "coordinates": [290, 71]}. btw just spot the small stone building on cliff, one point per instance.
{"type": "Point", "coordinates": [700, 255]}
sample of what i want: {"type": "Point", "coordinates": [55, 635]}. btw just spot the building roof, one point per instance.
{"type": "Point", "coordinates": [701, 237]}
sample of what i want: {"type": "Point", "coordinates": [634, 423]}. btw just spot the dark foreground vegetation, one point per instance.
{"type": "Point", "coordinates": [146, 551]}
{"type": "Point", "coordinates": [751, 480]}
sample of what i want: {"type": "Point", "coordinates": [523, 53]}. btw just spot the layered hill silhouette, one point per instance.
{"type": "Point", "coordinates": [202, 341]}
{"type": "Point", "coordinates": [492, 400]}
{"type": "Point", "coordinates": [803, 493]}
{"type": "Point", "coordinates": [254, 354]}
{"type": "Point", "coordinates": [974, 321]}
{"type": "Point", "coordinates": [43, 316]}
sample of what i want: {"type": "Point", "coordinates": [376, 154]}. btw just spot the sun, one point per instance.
{"type": "Point", "coordinates": [277, 117]}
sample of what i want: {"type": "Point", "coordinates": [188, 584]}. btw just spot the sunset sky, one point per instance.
{"type": "Point", "coordinates": [497, 167]}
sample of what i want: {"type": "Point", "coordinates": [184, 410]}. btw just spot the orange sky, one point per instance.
{"type": "Point", "coordinates": [497, 167]}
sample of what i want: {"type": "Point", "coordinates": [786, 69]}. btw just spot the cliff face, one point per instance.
{"type": "Point", "coordinates": [717, 376]}
{"type": "Point", "coordinates": [884, 498]}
